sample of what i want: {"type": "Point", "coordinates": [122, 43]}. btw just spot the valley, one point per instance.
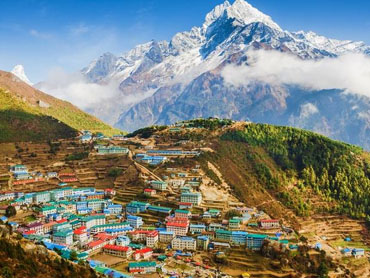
{"type": "Point", "coordinates": [196, 158]}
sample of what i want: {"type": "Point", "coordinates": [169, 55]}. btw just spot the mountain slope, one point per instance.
{"type": "Point", "coordinates": [22, 258]}
{"type": "Point", "coordinates": [42, 116]}
{"type": "Point", "coordinates": [277, 167]}
{"type": "Point", "coordinates": [161, 82]}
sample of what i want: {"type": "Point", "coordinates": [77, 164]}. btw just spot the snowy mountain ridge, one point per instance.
{"type": "Point", "coordinates": [161, 82]}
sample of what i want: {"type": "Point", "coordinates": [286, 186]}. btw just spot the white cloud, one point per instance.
{"type": "Point", "coordinates": [350, 71]}
{"type": "Point", "coordinates": [307, 110]}
{"type": "Point", "coordinates": [74, 88]}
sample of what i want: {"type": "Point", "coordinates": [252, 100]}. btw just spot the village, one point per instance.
{"type": "Point", "coordinates": [173, 223]}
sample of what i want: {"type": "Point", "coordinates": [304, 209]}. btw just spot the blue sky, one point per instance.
{"type": "Point", "coordinates": [44, 35]}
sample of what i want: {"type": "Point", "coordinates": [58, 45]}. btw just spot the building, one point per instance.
{"type": "Point", "coordinates": [255, 241]}
{"type": "Point", "coordinates": [223, 235]}
{"type": "Point", "coordinates": [105, 227]}
{"type": "Point", "coordinates": [63, 237]}
{"type": "Point", "coordinates": [61, 193]}
{"type": "Point", "coordinates": [161, 210]}
{"type": "Point", "coordinates": [269, 224]}
{"type": "Point", "coordinates": [96, 246]}
{"type": "Point", "coordinates": [166, 236]}
{"type": "Point", "coordinates": [134, 221]}
{"type": "Point", "coordinates": [197, 228]}
{"type": "Point", "coordinates": [152, 239]}
{"type": "Point", "coordinates": [150, 192]}
{"type": "Point", "coordinates": [48, 210]}
{"type": "Point", "coordinates": [179, 229]}
{"type": "Point", "coordinates": [234, 224]}
{"type": "Point", "coordinates": [118, 251]}
{"type": "Point", "coordinates": [142, 267]}
{"type": "Point", "coordinates": [113, 209]}
{"type": "Point", "coordinates": [143, 254]}
{"type": "Point", "coordinates": [238, 237]}
{"type": "Point", "coordinates": [139, 235]}
{"type": "Point", "coordinates": [202, 242]}
{"type": "Point", "coordinates": [358, 252]}
{"type": "Point", "coordinates": [63, 226]}
{"type": "Point", "coordinates": [111, 150]}
{"type": "Point", "coordinates": [42, 197]}
{"type": "Point", "coordinates": [80, 234]}
{"type": "Point", "coordinates": [96, 205]}
{"type": "Point", "coordinates": [182, 213]}
{"type": "Point", "coordinates": [159, 185]}
{"type": "Point", "coordinates": [122, 240]}
{"type": "Point", "coordinates": [19, 168]}
{"type": "Point", "coordinates": [191, 197]}
{"type": "Point", "coordinates": [176, 183]}
{"type": "Point", "coordinates": [214, 212]}
{"type": "Point", "coordinates": [184, 205]}
{"type": "Point", "coordinates": [135, 207]}
{"type": "Point", "coordinates": [184, 243]}
{"type": "Point", "coordinates": [48, 227]}
{"type": "Point", "coordinates": [212, 227]}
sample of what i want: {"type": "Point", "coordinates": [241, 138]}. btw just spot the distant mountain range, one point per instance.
{"type": "Point", "coordinates": [162, 82]}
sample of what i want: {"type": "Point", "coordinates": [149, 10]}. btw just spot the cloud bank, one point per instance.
{"type": "Point", "coordinates": [75, 88]}
{"type": "Point", "coordinates": [350, 72]}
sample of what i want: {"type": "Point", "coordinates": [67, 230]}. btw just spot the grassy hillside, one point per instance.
{"type": "Point", "coordinates": [21, 122]}
{"type": "Point", "coordinates": [303, 170]}
{"type": "Point", "coordinates": [19, 97]}
{"type": "Point", "coordinates": [333, 170]}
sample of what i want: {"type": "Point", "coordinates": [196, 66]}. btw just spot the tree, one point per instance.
{"type": "Point", "coordinates": [323, 270]}
{"type": "Point", "coordinates": [232, 213]}
{"type": "Point", "coordinates": [114, 172]}
{"type": "Point", "coordinates": [73, 256]}
{"type": "Point", "coordinates": [10, 211]}
{"type": "Point", "coordinates": [6, 272]}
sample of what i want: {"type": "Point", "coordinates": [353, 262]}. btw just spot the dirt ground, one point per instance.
{"type": "Point", "coordinates": [108, 259]}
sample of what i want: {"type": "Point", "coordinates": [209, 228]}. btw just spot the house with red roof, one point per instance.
{"type": "Point", "coordinates": [269, 223]}
{"type": "Point", "coordinates": [178, 228]}
{"type": "Point", "coordinates": [80, 234]}
{"type": "Point", "coordinates": [95, 246]}
{"type": "Point", "coordinates": [143, 254]}
{"type": "Point", "coordinates": [152, 238]}
{"type": "Point", "coordinates": [118, 251]}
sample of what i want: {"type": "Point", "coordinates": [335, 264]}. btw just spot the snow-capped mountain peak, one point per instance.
{"type": "Point", "coordinates": [18, 71]}
{"type": "Point", "coordinates": [243, 13]}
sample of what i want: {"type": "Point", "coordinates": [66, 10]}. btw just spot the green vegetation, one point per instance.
{"type": "Point", "coordinates": [114, 172]}
{"type": "Point", "coordinates": [335, 171]}
{"type": "Point", "coordinates": [23, 121]}
{"type": "Point", "coordinates": [146, 132]}
{"type": "Point", "coordinates": [17, 262]}
{"type": "Point", "coordinates": [77, 156]}
{"type": "Point", "coordinates": [232, 213]}
{"type": "Point", "coordinates": [210, 123]}
{"type": "Point", "coordinates": [10, 211]}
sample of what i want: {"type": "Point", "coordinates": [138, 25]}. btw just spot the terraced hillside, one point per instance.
{"type": "Point", "coordinates": [27, 114]}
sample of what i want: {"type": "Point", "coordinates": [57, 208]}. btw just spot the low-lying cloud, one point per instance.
{"type": "Point", "coordinates": [350, 71]}
{"type": "Point", "coordinates": [75, 88]}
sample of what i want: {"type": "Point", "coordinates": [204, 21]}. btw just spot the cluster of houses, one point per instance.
{"type": "Point", "coordinates": [156, 157]}
{"type": "Point", "coordinates": [21, 175]}
{"type": "Point", "coordinates": [87, 221]}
